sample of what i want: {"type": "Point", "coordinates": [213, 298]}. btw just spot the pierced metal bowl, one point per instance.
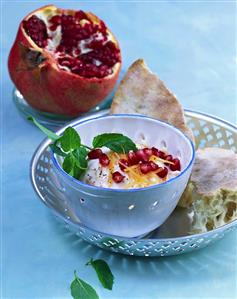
{"type": "Point", "coordinates": [173, 236]}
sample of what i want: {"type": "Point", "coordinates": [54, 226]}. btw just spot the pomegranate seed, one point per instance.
{"type": "Point", "coordinates": [80, 15]}
{"type": "Point", "coordinates": [117, 177]}
{"type": "Point", "coordinates": [176, 165]}
{"type": "Point", "coordinates": [168, 158]}
{"type": "Point", "coordinates": [142, 156]}
{"type": "Point", "coordinates": [95, 154]}
{"type": "Point", "coordinates": [104, 160]}
{"type": "Point", "coordinates": [161, 155]}
{"type": "Point", "coordinates": [55, 20]}
{"type": "Point", "coordinates": [153, 166]}
{"type": "Point", "coordinates": [37, 30]}
{"type": "Point", "coordinates": [163, 173]}
{"type": "Point", "coordinates": [95, 44]}
{"type": "Point", "coordinates": [53, 27]}
{"type": "Point", "coordinates": [148, 151]}
{"type": "Point", "coordinates": [145, 167]}
{"type": "Point", "coordinates": [123, 164]}
{"type": "Point", "coordinates": [132, 158]}
{"type": "Point", "coordinates": [103, 27]}
{"type": "Point", "coordinates": [155, 151]}
{"type": "Point", "coordinates": [97, 63]}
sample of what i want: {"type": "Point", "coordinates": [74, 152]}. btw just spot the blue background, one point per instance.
{"type": "Point", "coordinates": [192, 46]}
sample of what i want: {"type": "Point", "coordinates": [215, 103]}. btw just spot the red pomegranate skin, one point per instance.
{"type": "Point", "coordinates": [48, 88]}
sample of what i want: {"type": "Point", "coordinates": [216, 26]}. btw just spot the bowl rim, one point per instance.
{"type": "Point", "coordinates": [85, 185]}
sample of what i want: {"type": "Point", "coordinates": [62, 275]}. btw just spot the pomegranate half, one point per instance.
{"type": "Point", "coordinates": [64, 61]}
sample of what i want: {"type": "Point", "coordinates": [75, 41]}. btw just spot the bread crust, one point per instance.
{"type": "Point", "coordinates": [214, 171]}
{"type": "Point", "coordinates": [212, 190]}
{"type": "Point", "coordinates": [142, 92]}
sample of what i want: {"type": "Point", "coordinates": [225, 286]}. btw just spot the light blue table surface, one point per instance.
{"type": "Point", "coordinates": [192, 46]}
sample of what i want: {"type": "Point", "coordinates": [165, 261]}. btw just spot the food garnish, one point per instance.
{"type": "Point", "coordinates": [81, 289]}
{"type": "Point", "coordinates": [123, 161]}
{"type": "Point", "coordinates": [103, 272]}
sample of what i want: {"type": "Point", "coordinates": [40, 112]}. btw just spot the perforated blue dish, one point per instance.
{"type": "Point", "coordinates": [173, 236]}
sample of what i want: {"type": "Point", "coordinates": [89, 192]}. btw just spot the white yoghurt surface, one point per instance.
{"type": "Point", "coordinates": [99, 176]}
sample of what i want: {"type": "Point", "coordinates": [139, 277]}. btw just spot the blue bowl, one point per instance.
{"type": "Point", "coordinates": [128, 212]}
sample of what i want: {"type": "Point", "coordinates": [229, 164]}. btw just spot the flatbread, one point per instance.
{"type": "Point", "coordinates": [212, 189]}
{"type": "Point", "coordinates": [142, 92]}
{"type": "Point", "coordinates": [214, 169]}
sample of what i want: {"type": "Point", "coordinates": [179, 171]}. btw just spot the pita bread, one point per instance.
{"type": "Point", "coordinates": [212, 188]}
{"type": "Point", "coordinates": [142, 92]}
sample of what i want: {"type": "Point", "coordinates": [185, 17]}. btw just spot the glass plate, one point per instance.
{"type": "Point", "coordinates": [169, 239]}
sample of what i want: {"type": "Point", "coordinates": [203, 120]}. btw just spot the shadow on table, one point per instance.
{"type": "Point", "coordinates": [192, 264]}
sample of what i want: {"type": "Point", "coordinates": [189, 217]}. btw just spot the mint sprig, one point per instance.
{"type": "Point", "coordinates": [74, 153]}
{"type": "Point", "coordinates": [75, 163]}
{"type": "Point", "coordinates": [70, 140]}
{"type": "Point", "coordinates": [51, 135]}
{"type": "Point", "coordinates": [82, 290]}
{"type": "Point", "coordinates": [103, 272]}
{"type": "Point", "coordinates": [114, 141]}
{"type": "Point", "coordinates": [57, 150]}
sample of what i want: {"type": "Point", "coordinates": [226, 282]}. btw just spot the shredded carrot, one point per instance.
{"type": "Point", "coordinates": [136, 178]}
{"type": "Point", "coordinates": [154, 158]}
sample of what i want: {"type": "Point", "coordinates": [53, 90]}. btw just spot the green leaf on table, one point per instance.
{"type": "Point", "coordinates": [114, 141]}
{"type": "Point", "coordinates": [51, 135]}
{"type": "Point", "coordinates": [70, 140]}
{"type": "Point", "coordinates": [103, 272]}
{"type": "Point", "coordinates": [82, 290]}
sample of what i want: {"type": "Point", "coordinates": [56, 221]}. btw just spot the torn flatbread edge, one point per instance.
{"type": "Point", "coordinates": [164, 98]}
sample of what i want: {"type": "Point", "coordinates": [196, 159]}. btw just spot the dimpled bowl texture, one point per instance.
{"type": "Point", "coordinates": [128, 212]}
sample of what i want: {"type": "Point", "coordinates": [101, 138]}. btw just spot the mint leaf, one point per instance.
{"type": "Point", "coordinates": [70, 140]}
{"type": "Point", "coordinates": [68, 146]}
{"type": "Point", "coordinates": [75, 163]}
{"type": "Point", "coordinates": [68, 164]}
{"type": "Point", "coordinates": [51, 135]}
{"type": "Point", "coordinates": [80, 156]}
{"type": "Point", "coordinates": [82, 290]}
{"type": "Point", "coordinates": [56, 149]}
{"type": "Point", "coordinates": [114, 141]}
{"type": "Point", "coordinates": [103, 272]}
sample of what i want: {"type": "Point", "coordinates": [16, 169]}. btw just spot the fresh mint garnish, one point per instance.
{"type": "Point", "coordinates": [82, 290]}
{"type": "Point", "coordinates": [114, 141]}
{"type": "Point", "coordinates": [70, 140]}
{"type": "Point", "coordinates": [68, 164]}
{"type": "Point", "coordinates": [75, 163]}
{"type": "Point", "coordinates": [80, 155]}
{"type": "Point", "coordinates": [103, 272]}
{"type": "Point", "coordinates": [51, 135]}
{"type": "Point", "coordinates": [68, 145]}
{"type": "Point", "coordinates": [57, 150]}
